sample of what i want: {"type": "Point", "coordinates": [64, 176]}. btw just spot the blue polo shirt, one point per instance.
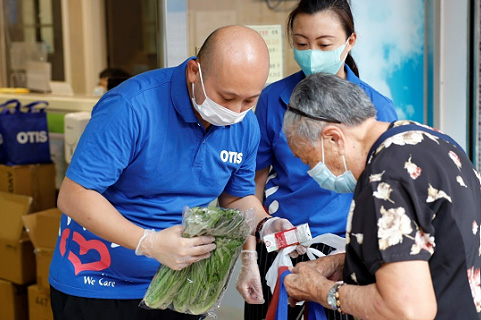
{"type": "Point", "coordinates": [290, 192]}
{"type": "Point", "coordinates": [147, 153]}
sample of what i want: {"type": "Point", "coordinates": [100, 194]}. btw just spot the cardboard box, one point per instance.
{"type": "Point", "coordinates": [13, 301]}
{"type": "Point", "coordinates": [39, 307]}
{"type": "Point", "coordinates": [34, 180]}
{"type": "Point", "coordinates": [42, 227]}
{"type": "Point", "coordinates": [16, 250]}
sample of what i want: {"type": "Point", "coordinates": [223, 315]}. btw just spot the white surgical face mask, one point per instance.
{"type": "Point", "coordinates": [214, 113]}
{"type": "Point", "coordinates": [345, 183]}
{"type": "Point", "coordinates": [314, 61]}
{"type": "Point", "coordinates": [99, 91]}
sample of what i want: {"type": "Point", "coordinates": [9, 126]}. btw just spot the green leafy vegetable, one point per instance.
{"type": "Point", "coordinates": [197, 288]}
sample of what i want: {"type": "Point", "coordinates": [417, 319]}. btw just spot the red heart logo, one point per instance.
{"type": "Point", "coordinates": [85, 246]}
{"type": "Point", "coordinates": [63, 241]}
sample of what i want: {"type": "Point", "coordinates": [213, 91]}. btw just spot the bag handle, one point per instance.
{"type": "Point", "coordinates": [7, 109]}
{"type": "Point", "coordinates": [37, 106]}
{"type": "Point", "coordinates": [282, 305]}
{"type": "Point", "coordinates": [274, 304]}
{"type": "Point", "coordinates": [314, 310]}
{"type": "Point", "coordinates": [282, 259]}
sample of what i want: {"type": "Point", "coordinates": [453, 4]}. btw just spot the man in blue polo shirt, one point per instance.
{"type": "Point", "coordinates": [158, 142]}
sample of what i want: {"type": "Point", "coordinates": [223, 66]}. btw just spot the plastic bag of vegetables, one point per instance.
{"type": "Point", "coordinates": [198, 289]}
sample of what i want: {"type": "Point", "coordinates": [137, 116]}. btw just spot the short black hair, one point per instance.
{"type": "Point", "coordinates": [114, 72]}
{"type": "Point", "coordinates": [114, 76]}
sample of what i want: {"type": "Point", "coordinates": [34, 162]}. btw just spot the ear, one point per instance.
{"type": "Point", "coordinates": [352, 40]}
{"type": "Point", "coordinates": [334, 138]}
{"type": "Point", "coordinates": [192, 70]}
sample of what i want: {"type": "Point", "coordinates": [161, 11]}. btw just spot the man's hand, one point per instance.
{"type": "Point", "coordinates": [249, 280]}
{"type": "Point", "coordinates": [169, 248]}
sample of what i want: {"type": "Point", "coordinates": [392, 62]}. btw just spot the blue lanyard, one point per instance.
{"type": "Point", "coordinates": [410, 127]}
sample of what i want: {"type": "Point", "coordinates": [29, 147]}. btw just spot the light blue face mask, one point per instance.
{"type": "Point", "coordinates": [345, 183]}
{"type": "Point", "coordinates": [314, 61]}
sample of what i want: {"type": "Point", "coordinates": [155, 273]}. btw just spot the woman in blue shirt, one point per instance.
{"type": "Point", "coordinates": [322, 35]}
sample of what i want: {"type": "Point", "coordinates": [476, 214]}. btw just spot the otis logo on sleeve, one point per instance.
{"type": "Point", "coordinates": [231, 156]}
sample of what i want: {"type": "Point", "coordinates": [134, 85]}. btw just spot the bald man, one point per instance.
{"type": "Point", "coordinates": [158, 142]}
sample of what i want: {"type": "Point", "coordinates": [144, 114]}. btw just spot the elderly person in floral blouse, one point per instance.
{"type": "Point", "coordinates": [413, 231]}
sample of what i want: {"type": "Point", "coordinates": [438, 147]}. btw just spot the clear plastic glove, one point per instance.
{"type": "Point", "coordinates": [277, 224]}
{"type": "Point", "coordinates": [249, 280]}
{"type": "Point", "coordinates": [169, 248]}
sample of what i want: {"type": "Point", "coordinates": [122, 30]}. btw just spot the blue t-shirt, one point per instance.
{"type": "Point", "coordinates": [290, 192]}
{"type": "Point", "coordinates": [148, 154]}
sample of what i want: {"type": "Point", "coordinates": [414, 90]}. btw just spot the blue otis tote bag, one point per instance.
{"type": "Point", "coordinates": [4, 110]}
{"type": "Point", "coordinates": [24, 131]}
{"type": "Point", "coordinates": [278, 307]}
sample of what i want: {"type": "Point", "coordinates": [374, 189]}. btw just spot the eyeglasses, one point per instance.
{"type": "Point", "coordinates": [321, 118]}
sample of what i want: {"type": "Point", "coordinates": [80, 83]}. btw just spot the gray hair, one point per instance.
{"type": "Point", "coordinates": [326, 96]}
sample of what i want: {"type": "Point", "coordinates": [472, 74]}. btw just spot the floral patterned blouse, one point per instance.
{"type": "Point", "coordinates": [419, 198]}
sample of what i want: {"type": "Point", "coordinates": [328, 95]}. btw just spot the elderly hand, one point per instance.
{"type": "Point", "coordinates": [171, 249]}
{"type": "Point", "coordinates": [330, 266]}
{"type": "Point", "coordinates": [306, 283]}
{"type": "Point", "coordinates": [249, 280]}
{"type": "Point", "coordinates": [277, 224]}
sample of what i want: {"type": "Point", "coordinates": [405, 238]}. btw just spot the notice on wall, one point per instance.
{"type": "Point", "coordinates": [272, 35]}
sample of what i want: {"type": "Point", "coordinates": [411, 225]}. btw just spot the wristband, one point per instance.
{"type": "Point", "coordinates": [338, 301]}
{"type": "Point", "coordinates": [333, 298]}
{"type": "Point", "coordinates": [259, 227]}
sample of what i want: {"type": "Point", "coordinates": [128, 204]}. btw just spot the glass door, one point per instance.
{"type": "Point", "coordinates": [33, 31]}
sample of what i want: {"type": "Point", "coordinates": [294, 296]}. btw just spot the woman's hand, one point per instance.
{"type": "Point", "coordinates": [330, 266]}
{"type": "Point", "coordinates": [306, 283]}
{"type": "Point", "coordinates": [311, 280]}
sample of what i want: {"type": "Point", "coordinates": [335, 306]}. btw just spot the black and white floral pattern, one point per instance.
{"type": "Point", "coordinates": [419, 198]}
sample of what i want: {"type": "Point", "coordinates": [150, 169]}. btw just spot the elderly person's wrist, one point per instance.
{"type": "Point", "coordinates": [333, 297]}
{"type": "Point", "coordinates": [319, 290]}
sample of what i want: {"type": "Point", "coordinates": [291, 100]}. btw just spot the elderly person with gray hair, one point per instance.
{"type": "Point", "coordinates": [413, 231]}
